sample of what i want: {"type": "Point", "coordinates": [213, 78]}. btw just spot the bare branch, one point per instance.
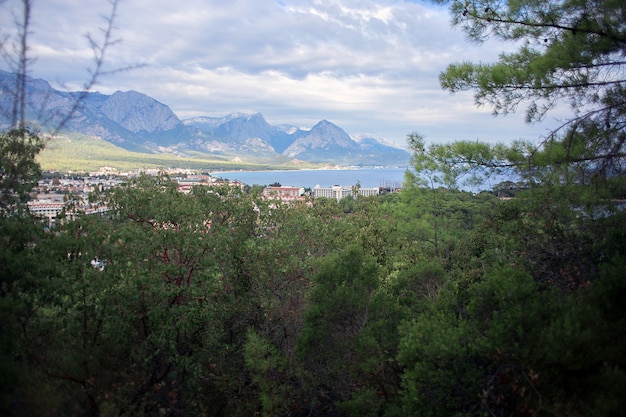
{"type": "Point", "coordinates": [100, 50]}
{"type": "Point", "coordinates": [15, 54]}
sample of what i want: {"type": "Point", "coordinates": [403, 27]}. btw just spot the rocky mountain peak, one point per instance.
{"type": "Point", "coordinates": [137, 122]}
{"type": "Point", "coordinates": [138, 112]}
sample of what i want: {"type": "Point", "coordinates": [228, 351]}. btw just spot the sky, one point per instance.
{"type": "Point", "coordinates": [370, 67]}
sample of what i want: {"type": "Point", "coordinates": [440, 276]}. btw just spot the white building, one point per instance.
{"type": "Point", "coordinates": [338, 192]}
{"type": "Point", "coordinates": [48, 209]}
{"type": "Point", "coordinates": [284, 193]}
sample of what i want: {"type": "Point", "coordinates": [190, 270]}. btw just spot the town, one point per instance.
{"type": "Point", "coordinates": [67, 195]}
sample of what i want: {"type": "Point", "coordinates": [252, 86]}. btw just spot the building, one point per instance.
{"type": "Point", "coordinates": [284, 194]}
{"type": "Point", "coordinates": [185, 185]}
{"type": "Point", "coordinates": [338, 192]}
{"type": "Point", "coordinates": [51, 209]}
{"type": "Point", "coordinates": [46, 209]}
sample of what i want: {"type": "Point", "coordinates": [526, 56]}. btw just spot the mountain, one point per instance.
{"type": "Point", "coordinates": [137, 122]}
{"type": "Point", "coordinates": [130, 120]}
{"type": "Point", "coordinates": [371, 147]}
{"type": "Point", "coordinates": [323, 141]}
{"type": "Point", "coordinates": [239, 131]}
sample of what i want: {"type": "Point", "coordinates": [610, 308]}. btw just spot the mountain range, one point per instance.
{"type": "Point", "coordinates": [137, 122]}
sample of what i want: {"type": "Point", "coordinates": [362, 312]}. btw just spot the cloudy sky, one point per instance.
{"type": "Point", "coordinates": [368, 66]}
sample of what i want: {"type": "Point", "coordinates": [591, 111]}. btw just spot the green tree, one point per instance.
{"type": "Point", "coordinates": [19, 172]}
{"type": "Point", "coordinates": [434, 212]}
{"type": "Point", "coordinates": [348, 340]}
{"type": "Point", "coordinates": [162, 328]}
{"type": "Point", "coordinates": [20, 237]}
{"type": "Point", "coordinates": [337, 313]}
{"type": "Point", "coordinates": [197, 282]}
{"type": "Point", "coordinates": [490, 339]}
{"type": "Point", "coordinates": [504, 344]}
{"type": "Point", "coordinates": [373, 226]}
{"type": "Point", "coordinates": [571, 52]}
{"type": "Point", "coordinates": [119, 340]}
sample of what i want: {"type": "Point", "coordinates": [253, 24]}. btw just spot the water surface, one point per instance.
{"type": "Point", "coordinates": [309, 178]}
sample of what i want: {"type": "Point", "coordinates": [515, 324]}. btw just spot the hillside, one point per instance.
{"type": "Point", "coordinates": [82, 153]}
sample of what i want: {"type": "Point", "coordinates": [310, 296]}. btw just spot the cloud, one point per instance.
{"type": "Point", "coordinates": [368, 66]}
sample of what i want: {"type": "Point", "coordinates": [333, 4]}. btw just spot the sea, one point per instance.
{"type": "Point", "coordinates": [309, 178]}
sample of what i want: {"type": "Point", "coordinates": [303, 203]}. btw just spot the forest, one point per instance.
{"type": "Point", "coordinates": [432, 301]}
{"type": "Point", "coordinates": [429, 302]}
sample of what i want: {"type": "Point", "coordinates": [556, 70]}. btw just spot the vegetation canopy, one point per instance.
{"type": "Point", "coordinates": [572, 53]}
{"type": "Point", "coordinates": [434, 301]}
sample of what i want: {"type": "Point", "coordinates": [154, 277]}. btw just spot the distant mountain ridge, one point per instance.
{"type": "Point", "coordinates": [137, 122]}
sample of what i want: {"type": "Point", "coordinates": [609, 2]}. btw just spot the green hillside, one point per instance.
{"type": "Point", "coordinates": [83, 153]}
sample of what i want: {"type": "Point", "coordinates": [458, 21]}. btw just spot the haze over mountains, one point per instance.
{"type": "Point", "coordinates": [137, 122]}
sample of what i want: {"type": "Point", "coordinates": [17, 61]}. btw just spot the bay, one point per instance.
{"type": "Point", "coordinates": [309, 178]}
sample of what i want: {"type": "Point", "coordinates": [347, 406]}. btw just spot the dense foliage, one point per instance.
{"type": "Point", "coordinates": [571, 56]}
{"type": "Point", "coordinates": [18, 170]}
{"type": "Point", "coordinates": [429, 302]}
